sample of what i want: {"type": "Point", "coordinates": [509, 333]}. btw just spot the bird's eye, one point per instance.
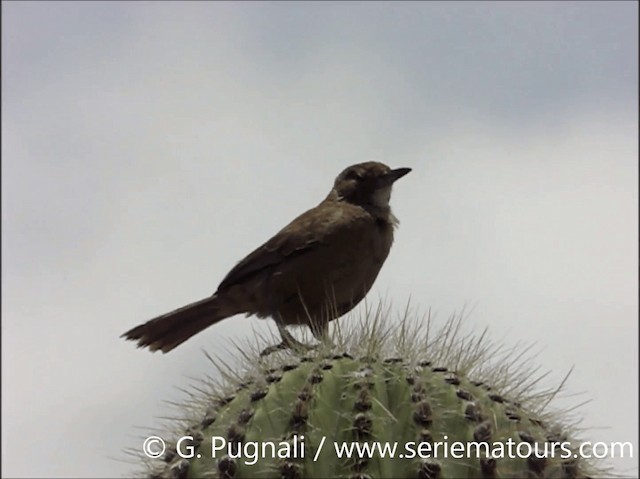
{"type": "Point", "coordinates": [353, 175]}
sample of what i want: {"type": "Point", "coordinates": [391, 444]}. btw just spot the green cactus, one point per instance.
{"type": "Point", "coordinates": [420, 390]}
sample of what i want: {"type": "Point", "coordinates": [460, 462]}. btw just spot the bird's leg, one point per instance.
{"type": "Point", "coordinates": [288, 342]}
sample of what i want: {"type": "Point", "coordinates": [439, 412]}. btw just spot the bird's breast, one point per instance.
{"type": "Point", "coordinates": [342, 269]}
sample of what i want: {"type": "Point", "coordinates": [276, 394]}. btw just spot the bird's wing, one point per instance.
{"type": "Point", "coordinates": [308, 231]}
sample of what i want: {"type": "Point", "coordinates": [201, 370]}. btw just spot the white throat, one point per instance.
{"type": "Point", "coordinates": [380, 202]}
{"type": "Point", "coordinates": [381, 197]}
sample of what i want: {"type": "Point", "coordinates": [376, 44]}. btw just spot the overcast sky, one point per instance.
{"type": "Point", "coordinates": [147, 147]}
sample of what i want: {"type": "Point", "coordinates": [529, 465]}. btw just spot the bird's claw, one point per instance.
{"type": "Point", "coordinates": [288, 342]}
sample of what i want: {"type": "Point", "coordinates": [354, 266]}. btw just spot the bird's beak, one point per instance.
{"type": "Point", "coordinates": [393, 175]}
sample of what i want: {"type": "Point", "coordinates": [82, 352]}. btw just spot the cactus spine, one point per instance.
{"type": "Point", "coordinates": [410, 387]}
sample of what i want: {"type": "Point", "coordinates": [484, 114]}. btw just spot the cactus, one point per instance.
{"type": "Point", "coordinates": [378, 386]}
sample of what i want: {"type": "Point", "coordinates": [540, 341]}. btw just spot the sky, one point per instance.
{"type": "Point", "coordinates": [148, 146]}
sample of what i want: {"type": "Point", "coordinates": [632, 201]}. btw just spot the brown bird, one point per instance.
{"type": "Point", "coordinates": [313, 271]}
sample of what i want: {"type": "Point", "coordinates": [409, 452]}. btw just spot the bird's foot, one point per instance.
{"type": "Point", "coordinates": [272, 349]}
{"type": "Point", "coordinates": [288, 342]}
{"type": "Point", "coordinates": [284, 345]}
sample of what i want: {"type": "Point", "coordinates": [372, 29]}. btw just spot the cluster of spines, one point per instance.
{"type": "Point", "coordinates": [422, 402]}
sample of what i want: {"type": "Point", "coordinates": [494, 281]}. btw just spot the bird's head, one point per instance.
{"type": "Point", "coordinates": [367, 184]}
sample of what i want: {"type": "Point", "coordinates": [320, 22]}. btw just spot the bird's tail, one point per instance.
{"type": "Point", "coordinates": [172, 329]}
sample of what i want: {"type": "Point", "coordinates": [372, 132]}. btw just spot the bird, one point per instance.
{"type": "Point", "coordinates": [314, 270]}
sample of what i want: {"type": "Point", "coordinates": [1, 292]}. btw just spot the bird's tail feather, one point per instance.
{"type": "Point", "coordinates": [172, 329]}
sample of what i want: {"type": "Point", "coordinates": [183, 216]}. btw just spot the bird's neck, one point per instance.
{"type": "Point", "coordinates": [387, 217]}
{"type": "Point", "coordinates": [378, 206]}
{"type": "Point", "coordinates": [382, 214]}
